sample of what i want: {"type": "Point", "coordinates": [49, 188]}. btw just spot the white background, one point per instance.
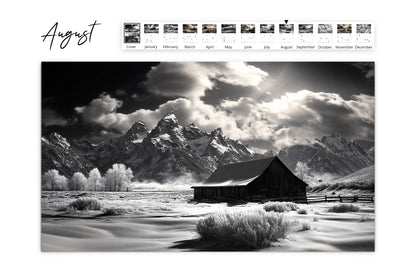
{"type": "Point", "coordinates": [22, 24]}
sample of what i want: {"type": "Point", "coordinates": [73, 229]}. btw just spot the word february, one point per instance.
{"type": "Point", "coordinates": [66, 36]}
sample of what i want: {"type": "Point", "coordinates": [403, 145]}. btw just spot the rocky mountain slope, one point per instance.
{"type": "Point", "coordinates": [167, 151]}
{"type": "Point", "coordinates": [58, 154]}
{"type": "Point", "coordinates": [331, 154]}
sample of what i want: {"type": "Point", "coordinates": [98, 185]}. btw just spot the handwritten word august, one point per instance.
{"type": "Point", "coordinates": [65, 37]}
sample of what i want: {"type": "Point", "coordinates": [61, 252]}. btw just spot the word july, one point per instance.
{"type": "Point", "coordinates": [65, 37]}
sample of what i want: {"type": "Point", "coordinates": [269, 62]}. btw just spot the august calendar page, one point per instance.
{"type": "Point", "coordinates": [206, 137]}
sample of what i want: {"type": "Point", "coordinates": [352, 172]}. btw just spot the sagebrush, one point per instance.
{"type": "Point", "coordinates": [84, 203]}
{"type": "Point", "coordinates": [343, 208]}
{"type": "Point", "coordinates": [302, 211]}
{"type": "Point", "coordinates": [280, 207]}
{"type": "Point", "coordinates": [113, 211]}
{"type": "Point", "coordinates": [253, 229]}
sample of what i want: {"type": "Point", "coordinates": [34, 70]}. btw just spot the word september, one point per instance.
{"type": "Point", "coordinates": [65, 37]}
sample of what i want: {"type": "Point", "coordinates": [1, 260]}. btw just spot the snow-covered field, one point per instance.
{"type": "Point", "coordinates": [153, 220]}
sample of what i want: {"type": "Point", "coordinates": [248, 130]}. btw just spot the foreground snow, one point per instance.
{"type": "Point", "coordinates": [164, 220]}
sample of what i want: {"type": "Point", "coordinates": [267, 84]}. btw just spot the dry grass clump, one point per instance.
{"type": "Point", "coordinates": [280, 207]}
{"type": "Point", "coordinates": [302, 211]}
{"type": "Point", "coordinates": [343, 208]}
{"type": "Point", "coordinates": [306, 225]}
{"type": "Point", "coordinates": [84, 203]}
{"type": "Point", "coordinates": [366, 218]}
{"type": "Point", "coordinates": [243, 230]}
{"type": "Point", "coordinates": [113, 211]}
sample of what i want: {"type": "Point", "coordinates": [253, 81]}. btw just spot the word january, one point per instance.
{"type": "Point", "coordinates": [65, 37]}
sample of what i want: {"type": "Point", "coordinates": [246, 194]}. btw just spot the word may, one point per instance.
{"type": "Point", "coordinates": [65, 37]}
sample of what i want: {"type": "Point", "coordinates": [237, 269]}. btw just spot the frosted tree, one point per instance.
{"type": "Point", "coordinates": [118, 178]}
{"type": "Point", "coordinates": [78, 182]}
{"type": "Point", "coordinates": [52, 180]}
{"type": "Point", "coordinates": [95, 181]}
{"type": "Point", "coordinates": [302, 170]}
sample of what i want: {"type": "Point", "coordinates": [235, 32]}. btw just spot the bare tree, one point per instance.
{"type": "Point", "coordinates": [118, 178]}
{"type": "Point", "coordinates": [52, 180]}
{"type": "Point", "coordinates": [302, 170]}
{"type": "Point", "coordinates": [78, 182]}
{"type": "Point", "coordinates": [95, 181]}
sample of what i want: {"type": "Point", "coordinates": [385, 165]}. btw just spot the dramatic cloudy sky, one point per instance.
{"type": "Point", "coordinates": [268, 104]}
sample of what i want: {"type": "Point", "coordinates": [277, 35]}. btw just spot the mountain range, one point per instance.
{"type": "Point", "coordinates": [170, 150]}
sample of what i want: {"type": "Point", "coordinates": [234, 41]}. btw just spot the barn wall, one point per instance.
{"type": "Point", "coordinates": [276, 182]}
{"type": "Point", "coordinates": [211, 193]}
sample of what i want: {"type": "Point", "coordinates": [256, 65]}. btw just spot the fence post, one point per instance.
{"type": "Point", "coordinates": [340, 199]}
{"type": "Point", "coordinates": [326, 198]}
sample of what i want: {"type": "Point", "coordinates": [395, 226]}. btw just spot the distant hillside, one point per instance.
{"type": "Point", "coordinates": [359, 182]}
{"type": "Point", "coordinates": [333, 154]}
{"type": "Point", "coordinates": [363, 175]}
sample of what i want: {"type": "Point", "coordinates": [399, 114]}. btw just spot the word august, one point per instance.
{"type": "Point", "coordinates": [65, 37]}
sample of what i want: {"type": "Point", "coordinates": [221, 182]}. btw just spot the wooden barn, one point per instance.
{"type": "Point", "coordinates": [257, 180]}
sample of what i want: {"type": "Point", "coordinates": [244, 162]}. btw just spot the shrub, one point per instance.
{"type": "Point", "coordinates": [84, 203]}
{"type": "Point", "coordinates": [253, 229]}
{"type": "Point", "coordinates": [302, 211]}
{"type": "Point", "coordinates": [366, 218]}
{"type": "Point", "coordinates": [306, 225]}
{"type": "Point", "coordinates": [113, 211]}
{"type": "Point", "coordinates": [280, 207]}
{"type": "Point", "coordinates": [343, 208]}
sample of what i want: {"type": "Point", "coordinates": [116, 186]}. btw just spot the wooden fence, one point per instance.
{"type": "Point", "coordinates": [340, 198]}
{"type": "Point", "coordinates": [321, 198]}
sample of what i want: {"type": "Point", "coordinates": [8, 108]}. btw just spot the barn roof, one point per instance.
{"type": "Point", "coordinates": [237, 174]}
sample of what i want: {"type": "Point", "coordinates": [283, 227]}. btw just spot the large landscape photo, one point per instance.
{"type": "Point", "coordinates": [208, 156]}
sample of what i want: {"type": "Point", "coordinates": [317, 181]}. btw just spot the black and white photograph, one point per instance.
{"type": "Point", "coordinates": [228, 28]}
{"type": "Point", "coordinates": [363, 28]}
{"type": "Point", "coordinates": [248, 28]}
{"type": "Point", "coordinates": [190, 28]}
{"type": "Point", "coordinates": [132, 33]}
{"type": "Point", "coordinates": [267, 28]}
{"type": "Point", "coordinates": [207, 156]}
{"type": "Point", "coordinates": [344, 28]}
{"type": "Point", "coordinates": [324, 28]}
{"type": "Point", "coordinates": [286, 28]}
{"type": "Point", "coordinates": [209, 28]}
{"type": "Point", "coordinates": [170, 28]}
{"type": "Point", "coordinates": [151, 28]}
{"type": "Point", "coordinates": [305, 28]}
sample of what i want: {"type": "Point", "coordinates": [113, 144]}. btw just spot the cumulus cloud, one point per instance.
{"type": "Point", "coordinates": [302, 116]}
{"type": "Point", "coordinates": [102, 111]}
{"type": "Point", "coordinates": [52, 118]}
{"type": "Point", "coordinates": [191, 80]}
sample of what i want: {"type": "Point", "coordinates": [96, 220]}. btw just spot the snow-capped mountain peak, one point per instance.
{"type": "Point", "coordinates": [170, 117]}
{"type": "Point", "coordinates": [137, 132]}
{"type": "Point", "coordinates": [56, 138]}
